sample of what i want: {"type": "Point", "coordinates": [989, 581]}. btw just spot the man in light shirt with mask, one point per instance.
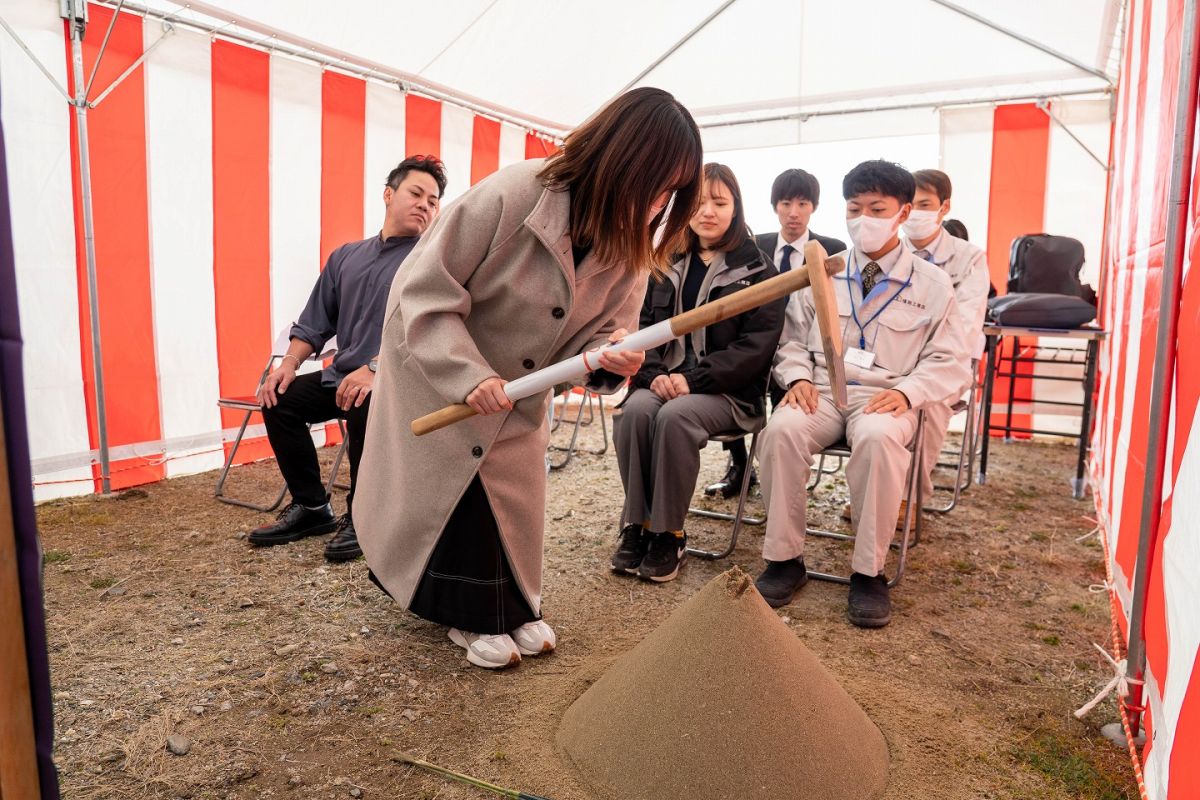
{"type": "Point", "coordinates": [966, 266]}
{"type": "Point", "coordinates": [902, 339]}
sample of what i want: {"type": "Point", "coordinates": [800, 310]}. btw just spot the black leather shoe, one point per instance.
{"type": "Point", "coordinates": [635, 541]}
{"type": "Point", "coordinates": [344, 544]}
{"type": "Point", "coordinates": [731, 485]}
{"type": "Point", "coordinates": [781, 580]}
{"type": "Point", "coordinates": [294, 522]}
{"type": "Point", "coordinates": [870, 604]}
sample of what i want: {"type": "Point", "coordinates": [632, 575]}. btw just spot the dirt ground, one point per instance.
{"type": "Point", "coordinates": [293, 678]}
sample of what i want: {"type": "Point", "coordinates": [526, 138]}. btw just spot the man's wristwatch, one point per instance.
{"type": "Point", "coordinates": [373, 365]}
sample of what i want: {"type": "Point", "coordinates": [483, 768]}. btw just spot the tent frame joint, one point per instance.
{"type": "Point", "coordinates": [1043, 104]}
{"type": "Point", "coordinates": [36, 61]}
{"type": "Point", "coordinates": [168, 29]}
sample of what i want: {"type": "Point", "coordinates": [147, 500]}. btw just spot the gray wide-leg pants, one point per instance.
{"type": "Point", "coordinates": [658, 446]}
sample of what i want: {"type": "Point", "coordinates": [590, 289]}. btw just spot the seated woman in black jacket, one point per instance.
{"type": "Point", "coordinates": [710, 381]}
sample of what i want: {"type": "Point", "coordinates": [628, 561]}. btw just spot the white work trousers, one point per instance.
{"type": "Point", "coordinates": [876, 473]}
{"type": "Point", "coordinates": [937, 425]}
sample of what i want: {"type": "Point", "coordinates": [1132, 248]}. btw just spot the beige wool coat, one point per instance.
{"type": "Point", "coordinates": [491, 289]}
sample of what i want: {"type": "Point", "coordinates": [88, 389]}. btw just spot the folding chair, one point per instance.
{"type": "Point", "coordinates": [586, 399]}
{"type": "Point", "coordinates": [251, 406]}
{"type": "Point", "coordinates": [964, 457]}
{"type": "Point", "coordinates": [738, 517]}
{"type": "Point", "coordinates": [912, 514]}
{"type": "Point", "coordinates": [823, 470]}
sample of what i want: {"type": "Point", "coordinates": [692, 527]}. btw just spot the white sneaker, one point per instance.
{"type": "Point", "coordinates": [534, 638]}
{"type": "Point", "coordinates": [487, 650]}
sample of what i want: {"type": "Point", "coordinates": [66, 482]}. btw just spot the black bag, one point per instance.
{"type": "Point", "coordinates": [1041, 311]}
{"type": "Point", "coordinates": [1039, 263]}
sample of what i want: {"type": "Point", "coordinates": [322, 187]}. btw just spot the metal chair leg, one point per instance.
{"type": "Point", "coordinates": [822, 471]}
{"type": "Point", "coordinates": [555, 417]}
{"type": "Point", "coordinates": [571, 448]}
{"type": "Point", "coordinates": [219, 492]}
{"type": "Point", "coordinates": [603, 428]}
{"type": "Point", "coordinates": [738, 517]}
{"type": "Point", "coordinates": [333, 482]}
{"type": "Point", "coordinates": [966, 457]}
{"type": "Point", "coordinates": [591, 414]}
{"type": "Point", "coordinates": [330, 484]}
{"type": "Point", "coordinates": [910, 534]}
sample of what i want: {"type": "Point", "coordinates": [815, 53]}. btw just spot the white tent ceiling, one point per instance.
{"type": "Point", "coordinates": [730, 61]}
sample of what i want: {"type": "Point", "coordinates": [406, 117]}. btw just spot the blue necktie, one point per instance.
{"type": "Point", "coordinates": [785, 263]}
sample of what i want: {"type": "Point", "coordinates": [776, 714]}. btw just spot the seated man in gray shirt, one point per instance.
{"type": "Point", "coordinates": [349, 301]}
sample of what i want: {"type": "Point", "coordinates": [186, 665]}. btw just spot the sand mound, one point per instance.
{"type": "Point", "coordinates": [723, 701]}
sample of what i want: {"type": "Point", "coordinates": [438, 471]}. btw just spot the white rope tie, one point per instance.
{"type": "Point", "coordinates": [1120, 681]}
{"type": "Point", "coordinates": [1093, 532]}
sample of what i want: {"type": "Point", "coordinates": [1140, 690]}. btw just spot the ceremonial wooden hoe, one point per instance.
{"type": "Point", "coordinates": [573, 369]}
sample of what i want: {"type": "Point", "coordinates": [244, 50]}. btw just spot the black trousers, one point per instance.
{"type": "Point", "coordinates": [304, 403]}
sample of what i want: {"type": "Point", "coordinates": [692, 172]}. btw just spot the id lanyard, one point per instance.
{"type": "Point", "coordinates": [862, 327]}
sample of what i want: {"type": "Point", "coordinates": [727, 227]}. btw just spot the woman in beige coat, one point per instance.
{"type": "Point", "coordinates": [538, 263]}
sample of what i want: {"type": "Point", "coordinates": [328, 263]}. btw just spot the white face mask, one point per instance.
{"type": "Point", "coordinates": [869, 234]}
{"type": "Point", "coordinates": [921, 224]}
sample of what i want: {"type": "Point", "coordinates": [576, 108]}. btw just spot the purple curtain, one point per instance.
{"type": "Point", "coordinates": [20, 490]}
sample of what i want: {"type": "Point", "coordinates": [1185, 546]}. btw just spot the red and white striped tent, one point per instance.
{"type": "Point", "coordinates": [222, 163]}
{"type": "Point", "coordinates": [1153, 538]}
{"type": "Point", "coordinates": [222, 176]}
{"type": "Point", "coordinates": [254, 136]}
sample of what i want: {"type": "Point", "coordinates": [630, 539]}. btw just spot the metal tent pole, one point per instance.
{"type": "Point", "coordinates": [76, 12]}
{"type": "Point", "coordinates": [1034, 43]}
{"type": "Point", "coordinates": [804, 116]}
{"type": "Point", "coordinates": [1161, 395]}
{"type": "Point", "coordinates": [673, 48]}
{"type": "Point", "coordinates": [234, 28]}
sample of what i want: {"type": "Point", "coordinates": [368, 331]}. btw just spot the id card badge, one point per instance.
{"type": "Point", "coordinates": [859, 358]}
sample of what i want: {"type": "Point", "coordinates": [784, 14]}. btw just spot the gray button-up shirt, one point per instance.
{"type": "Point", "coordinates": [349, 300]}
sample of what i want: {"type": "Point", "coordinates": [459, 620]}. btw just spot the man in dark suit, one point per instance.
{"type": "Point", "coordinates": [795, 195]}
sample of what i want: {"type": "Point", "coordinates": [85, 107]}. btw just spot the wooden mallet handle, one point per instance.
{"type": "Point", "coordinates": [825, 303]}
{"type": "Point", "coordinates": [441, 418]}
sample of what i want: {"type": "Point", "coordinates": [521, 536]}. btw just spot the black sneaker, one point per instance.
{"type": "Point", "coordinates": [731, 485]}
{"type": "Point", "coordinates": [632, 549]}
{"type": "Point", "coordinates": [294, 522]}
{"type": "Point", "coordinates": [870, 605]}
{"type": "Point", "coordinates": [663, 558]}
{"type": "Point", "coordinates": [781, 580]}
{"type": "Point", "coordinates": [344, 544]}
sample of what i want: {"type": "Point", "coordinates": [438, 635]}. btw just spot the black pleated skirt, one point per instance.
{"type": "Point", "coordinates": [468, 583]}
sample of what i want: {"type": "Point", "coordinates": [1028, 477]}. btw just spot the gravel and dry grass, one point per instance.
{"type": "Point", "coordinates": [288, 677]}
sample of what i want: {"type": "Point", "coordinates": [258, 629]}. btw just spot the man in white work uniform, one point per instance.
{"type": "Point", "coordinates": [966, 266]}
{"type": "Point", "coordinates": [902, 340]}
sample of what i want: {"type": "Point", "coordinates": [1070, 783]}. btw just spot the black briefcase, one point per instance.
{"type": "Point", "coordinates": [1040, 310]}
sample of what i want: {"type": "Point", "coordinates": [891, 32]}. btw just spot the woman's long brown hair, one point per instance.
{"type": "Point", "coordinates": [617, 164]}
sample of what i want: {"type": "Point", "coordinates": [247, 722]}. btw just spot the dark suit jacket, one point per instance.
{"type": "Point", "coordinates": [767, 242]}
